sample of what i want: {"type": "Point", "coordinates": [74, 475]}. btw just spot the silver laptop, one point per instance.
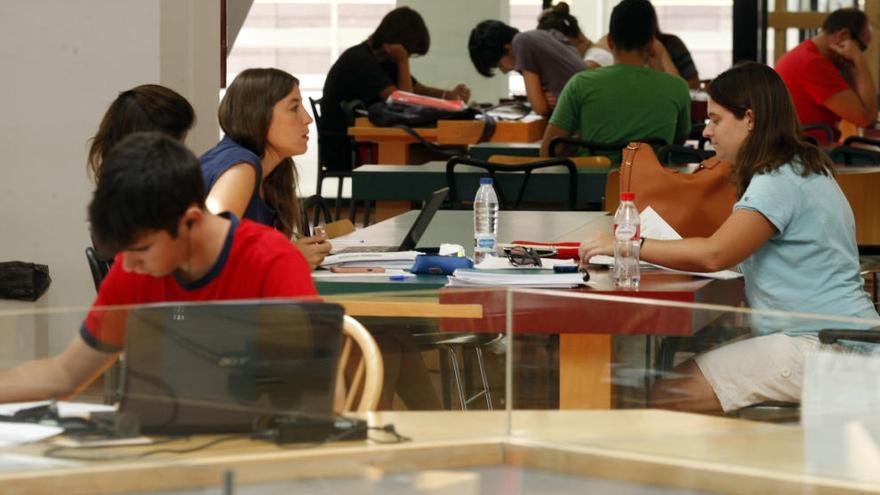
{"type": "Point", "coordinates": [415, 232]}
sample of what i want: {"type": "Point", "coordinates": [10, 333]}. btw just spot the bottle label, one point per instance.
{"type": "Point", "coordinates": [627, 232]}
{"type": "Point", "coordinates": [484, 243]}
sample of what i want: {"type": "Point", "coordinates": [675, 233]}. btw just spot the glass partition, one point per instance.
{"type": "Point", "coordinates": [606, 376]}
{"type": "Point", "coordinates": [246, 391]}
{"type": "Point", "coordinates": [568, 390]}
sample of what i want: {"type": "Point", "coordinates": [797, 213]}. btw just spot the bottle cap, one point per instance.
{"type": "Point", "coordinates": [485, 180]}
{"type": "Point", "coordinates": [627, 196]}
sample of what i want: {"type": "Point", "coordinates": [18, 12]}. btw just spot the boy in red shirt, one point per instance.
{"type": "Point", "coordinates": [828, 75]}
{"type": "Point", "coordinates": [149, 208]}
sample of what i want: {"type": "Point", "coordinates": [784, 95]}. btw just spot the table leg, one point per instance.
{"type": "Point", "coordinates": [393, 153]}
{"type": "Point", "coordinates": [584, 371]}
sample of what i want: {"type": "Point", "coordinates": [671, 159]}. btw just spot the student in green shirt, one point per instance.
{"type": "Point", "coordinates": [628, 100]}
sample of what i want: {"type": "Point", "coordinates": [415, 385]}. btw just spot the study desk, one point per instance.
{"type": "Point", "coordinates": [661, 449]}
{"type": "Point", "coordinates": [417, 182]}
{"type": "Point", "coordinates": [585, 325]}
{"type": "Point", "coordinates": [393, 143]}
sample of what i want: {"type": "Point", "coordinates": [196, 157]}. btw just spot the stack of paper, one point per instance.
{"type": "Point", "coordinates": [502, 263]}
{"type": "Point", "coordinates": [514, 278]}
{"type": "Point", "coordinates": [393, 259]}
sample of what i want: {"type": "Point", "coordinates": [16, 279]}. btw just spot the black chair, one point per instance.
{"type": "Point", "coordinates": [593, 147]}
{"type": "Point", "coordinates": [676, 154]}
{"type": "Point", "coordinates": [98, 266]}
{"type": "Point", "coordinates": [524, 169]}
{"type": "Point", "coordinates": [857, 150]}
{"type": "Point", "coordinates": [824, 129]}
{"type": "Point", "coordinates": [349, 109]}
{"type": "Point", "coordinates": [320, 213]}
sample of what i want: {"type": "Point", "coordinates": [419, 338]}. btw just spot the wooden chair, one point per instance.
{"type": "Point", "coordinates": [366, 385]}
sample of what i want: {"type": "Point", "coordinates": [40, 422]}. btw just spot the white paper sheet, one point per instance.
{"type": "Point", "coordinates": [653, 226]}
{"type": "Point", "coordinates": [65, 409]}
{"type": "Point", "coordinates": [19, 433]}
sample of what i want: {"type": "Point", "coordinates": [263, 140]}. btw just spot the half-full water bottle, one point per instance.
{"type": "Point", "coordinates": [485, 220]}
{"type": "Point", "coordinates": [627, 241]}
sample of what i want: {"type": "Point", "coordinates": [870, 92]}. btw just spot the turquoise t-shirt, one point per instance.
{"type": "Point", "coordinates": [811, 264]}
{"type": "Point", "coordinates": [620, 103]}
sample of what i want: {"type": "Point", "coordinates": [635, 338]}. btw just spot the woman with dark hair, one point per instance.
{"type": "Point", "coordinates": [250, 173]}
{"type": "Point", "coordinates": [148, 107]}
{"type": "Point", "coordinates": [560, 19]}
{"type": "Point", "coordinates": [371, 71]}
{"type": "Point", "coordinates": [791, 233]}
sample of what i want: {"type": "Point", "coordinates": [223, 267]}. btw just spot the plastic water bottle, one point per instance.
{"type": "Point", "coordinates": [485, 220]}
{"type": "Point", "coordinates": [627, 240]}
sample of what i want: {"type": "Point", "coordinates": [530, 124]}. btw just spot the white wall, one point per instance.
{"type": "Point", "coordinates": [447, 62]}
{"type": "Point", "coordinates": [63, 62]}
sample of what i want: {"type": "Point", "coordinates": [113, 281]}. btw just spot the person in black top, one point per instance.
{"type": "Point", "coordinates": [371, 71]}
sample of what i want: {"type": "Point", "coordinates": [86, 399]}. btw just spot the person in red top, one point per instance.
{"type": "Point", "coordinates": [828, 75]}
{"type": "Point", "coordinates": [149, 208]}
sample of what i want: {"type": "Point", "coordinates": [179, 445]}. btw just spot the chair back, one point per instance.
{"type": "Point", "coordinates": [316, 207]}
{"type": "Point", "coordinates": [557, 145]}
{"type": "Point", "coordinates": [99, 267]}
{"type": "Point", "coordinates": [524, 169]}
{"type": "Point", "coordinates": [860, 189]}
{"type": "Point", "coordinates": [857, 150]}
{"type": "Point", "coordinates": [365, 388]}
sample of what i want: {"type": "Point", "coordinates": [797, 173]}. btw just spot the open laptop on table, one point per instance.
{"type": "Point", "coordinates": [218, 367]}
{"type": "Point", "coordinates": [415, 232]}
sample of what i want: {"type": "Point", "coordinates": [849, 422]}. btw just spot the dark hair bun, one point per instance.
{"type": "Point", "coordinates": [561, 8]}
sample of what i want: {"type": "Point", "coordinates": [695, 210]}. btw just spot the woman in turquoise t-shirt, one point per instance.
{"type": "Point", "coordinates": [792, 234]}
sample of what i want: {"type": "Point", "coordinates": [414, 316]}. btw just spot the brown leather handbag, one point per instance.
{"type": "Point", "coordinates": [694, 204]}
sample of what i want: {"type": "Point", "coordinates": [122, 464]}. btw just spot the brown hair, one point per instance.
{"type": "Point", "coordinates": [148, 107]}
{"type": "Point", "coordinates": [776, 136]}
{"type": "Point", "coordinates": [245, 114]}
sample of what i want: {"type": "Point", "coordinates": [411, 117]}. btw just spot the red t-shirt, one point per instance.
{"type": "Point", "coordinates": [256, 262]}
{"type": "Point", "coordinates": [811, 79]}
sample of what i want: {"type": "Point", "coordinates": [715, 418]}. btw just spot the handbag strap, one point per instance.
{"type": "Point", "coordinates": [626, 165]}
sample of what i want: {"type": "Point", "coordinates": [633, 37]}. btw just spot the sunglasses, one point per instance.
{"type": "Point", "coordinates": [523, 256]}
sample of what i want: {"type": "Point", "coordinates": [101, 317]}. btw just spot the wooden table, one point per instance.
{"type": "Point", "coordinates": [417, 182]}
{"type": "Point", "coordinates": [651, 447]}
{"type": "Point", "coordinates": [394, 143]}
{"type": "Point", "coordinates": [586, 326]}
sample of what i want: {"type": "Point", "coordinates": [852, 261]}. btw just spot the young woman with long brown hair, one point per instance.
{"type": "Point", "coordinates": [251, 172]}
{"type": "Point", "coordinates": [148, 107]}
{"type": "Point", "coordinates": [791, 233]}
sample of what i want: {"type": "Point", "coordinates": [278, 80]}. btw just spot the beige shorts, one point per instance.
{"type": "Point", "coordinates": [759, 369]}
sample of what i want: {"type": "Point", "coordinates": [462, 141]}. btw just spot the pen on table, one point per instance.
{"type": "Point", "coordinates": [397, 278]}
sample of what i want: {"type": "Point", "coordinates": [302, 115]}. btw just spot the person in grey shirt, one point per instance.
{"type": "Point", "coordinates": [546, 59]}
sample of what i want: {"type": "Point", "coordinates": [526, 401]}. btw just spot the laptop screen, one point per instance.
{"type": "Point", "coordinates": [198, 368]}
{"type": "Point", "coordinates": [423, 220]}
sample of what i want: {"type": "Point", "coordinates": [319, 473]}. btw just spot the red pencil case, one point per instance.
{"type": "Point", "coordinates": [564, 250]}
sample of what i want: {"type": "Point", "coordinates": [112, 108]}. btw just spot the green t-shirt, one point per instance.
{"type": "Point", "coordinates": [621, 103]}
